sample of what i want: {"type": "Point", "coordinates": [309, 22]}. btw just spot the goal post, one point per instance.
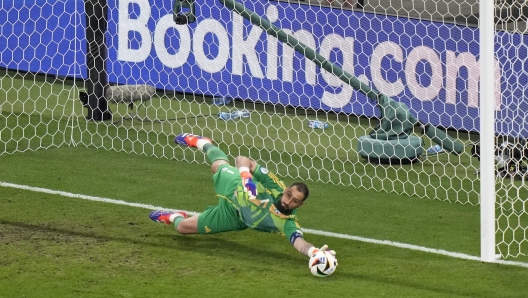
{"type": "Point", "coordinates": [96, 84]}
{"type": "Point", "coordinates": [487, 132]}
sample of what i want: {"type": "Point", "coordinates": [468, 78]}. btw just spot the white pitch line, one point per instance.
{"type": "Point", "coordinates": [309, 231]}
{"type": "Point", "coordinates": [85, 197]}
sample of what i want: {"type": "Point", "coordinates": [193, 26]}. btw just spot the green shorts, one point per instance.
{"type": "Point", "coordinates": [222, 217]}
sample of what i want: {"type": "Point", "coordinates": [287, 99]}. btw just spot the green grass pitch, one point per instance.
{"type": "Point", "coordinates": [57, 246]}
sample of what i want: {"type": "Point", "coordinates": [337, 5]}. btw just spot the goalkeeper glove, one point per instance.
{"type": "Point", "coordinates": [249, 186]}
{"type": "Point", "coordinates": [313, 250]}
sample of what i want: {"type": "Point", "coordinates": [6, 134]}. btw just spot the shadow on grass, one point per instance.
{"type": "Point", "coordinates": [204, 244]}
{"type": "Point", "coordinates": [208, 245]}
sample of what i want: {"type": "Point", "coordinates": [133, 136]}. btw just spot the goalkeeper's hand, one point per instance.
{"type": "Point", "coordinates": [249, 186]}
{"type": "Point", "coordinates": [313, 250]}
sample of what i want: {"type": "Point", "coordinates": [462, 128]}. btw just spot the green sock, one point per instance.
{"type": "Point", "coordinates": [177, 221]}
{"type": "Point", "coordinates": [207, 146]}
{"type": "Point", "coordinates": [214, 153]}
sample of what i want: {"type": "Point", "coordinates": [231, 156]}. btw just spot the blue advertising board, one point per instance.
{"type": "Point", "coordinates": [43, 37]}
{"type": "Point", "coordinates": [432, 67]}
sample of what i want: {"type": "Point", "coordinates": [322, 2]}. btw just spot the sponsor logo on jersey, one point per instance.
{"type": "Point", "coordinates": [260, 203]}
{"type": "Point", "coordinates": [227, 170]}
{"type": "Point", "coordinates": [275, 211]}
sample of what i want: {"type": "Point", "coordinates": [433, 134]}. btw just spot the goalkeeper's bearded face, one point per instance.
{"type": "Point", "coordinates": [291, 198]}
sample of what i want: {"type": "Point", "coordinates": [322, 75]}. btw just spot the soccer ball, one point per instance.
{"type": "Point", "coordinates": [322, 264]}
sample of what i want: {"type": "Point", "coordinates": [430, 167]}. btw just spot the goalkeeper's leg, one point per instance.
{"type": "Point", "coordinates": [182, 223]}
{"type": "Point", "coordinates": [188, 225]}
{"type": "Point", "coordinates": [215, 156]}
{"type": "Point", "coordinates": [215, 219]}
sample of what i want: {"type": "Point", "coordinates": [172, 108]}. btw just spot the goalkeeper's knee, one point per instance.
{"type": "Point", "coordinates": [214, 153]}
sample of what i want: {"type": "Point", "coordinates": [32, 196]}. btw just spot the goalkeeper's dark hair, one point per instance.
{"type": "Point", "coordinates": [302, 188]}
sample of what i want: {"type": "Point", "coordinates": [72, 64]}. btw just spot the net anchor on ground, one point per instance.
{"type": "Point", "coordinates": [131, 95]}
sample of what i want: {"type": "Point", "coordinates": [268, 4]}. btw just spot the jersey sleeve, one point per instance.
{"type": "Point", "coordinates": [269, 180]}
{"type": "Point", "coordinates": [292, 230]}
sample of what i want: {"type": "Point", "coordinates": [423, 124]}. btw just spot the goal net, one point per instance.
{"type": "Point", "coordinates": [152, 71]}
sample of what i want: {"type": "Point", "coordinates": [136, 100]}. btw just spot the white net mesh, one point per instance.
{"type": "Point", "coordinates": [424, 54]}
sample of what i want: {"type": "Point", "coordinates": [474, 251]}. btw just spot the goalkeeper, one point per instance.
{"type": "Point", "coordinates": [248, 197]}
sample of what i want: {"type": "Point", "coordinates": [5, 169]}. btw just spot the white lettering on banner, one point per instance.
{"type": "Point", "coordinates": [272, 46]}
{"type": "Point", "coordinates": [219, 62]}
{"type": "Point", "coordinates": [288, 54]}
{"type": "Point", "coordinates": [138, 25]}
{"type": "Point", "coordinates": [467, 60]}
{"type": "Point", "coordinates": [245, 48]}
{"type": "Point", "coordinates": [498, 90]}
{"type": "Point", "coordinates": [245, 60]}
{"type": "Point", "coordinates": [346, 47]}
{"type": "Point", "coordinates": [180, 57]}
{"type": "Point", "coordinates": [310, 70]}
{"type": "Point", "coordinates": [421, 92]}
{"type": "Point", "coordinates": [453, 65]}
{"type": "Point", "coordinates": [384, 49]}
{"type": "Point", "coordinates": [287, 60]}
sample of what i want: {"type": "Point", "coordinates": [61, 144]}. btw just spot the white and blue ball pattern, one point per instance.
{"type": "Point", "coordinates": [322, 264]}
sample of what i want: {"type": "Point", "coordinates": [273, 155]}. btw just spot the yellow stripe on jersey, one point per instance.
{"type": "Point", "coordinates": [276, 180]}
{"type": "Point", "coordinates": [273, 210]}
{"type": "Point", "coordinates": [257, 202]}
{"type": "Point", "coordinates": [297, 224]}
{"type": "Point", "coordinates": [225, 198]}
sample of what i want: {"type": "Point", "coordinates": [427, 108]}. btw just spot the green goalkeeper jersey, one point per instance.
{"type": "Point", "coordinates": [260, 213]}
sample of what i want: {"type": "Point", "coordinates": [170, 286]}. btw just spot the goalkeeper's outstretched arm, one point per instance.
{"type": "Point", "coordinates": [302, 246]}
{"type": "Point", "coordinates": [246, 163]}
{"type": "Point", "coordinates": [246, 167]}
{"type": "Point", "coordinates": [307, 249]}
